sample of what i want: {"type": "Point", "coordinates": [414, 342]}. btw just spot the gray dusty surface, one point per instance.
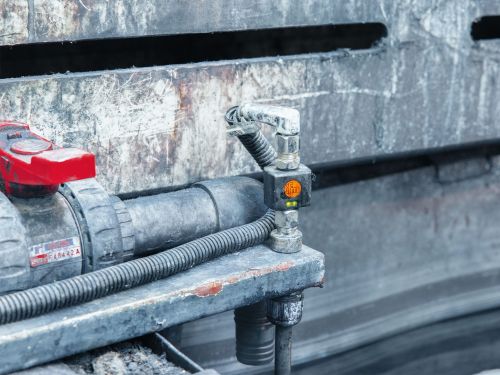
{"type": "Point", "coordinates": [120, 359]}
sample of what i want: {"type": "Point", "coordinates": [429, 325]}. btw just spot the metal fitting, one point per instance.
{"type": "Point", "coordinates": [288, 152]}
{"type": "Point", "coordinates": [286, 220]}
{"type": "Point", "coordinates": [285, 120]}
{"type": "Point", "coordinates": [287, 183]}
{"type": "Point", "coordinates": [288, 242]}
{"type": "Point", "coordinates": [286, 311]}
{"type": "Point", "coordinates": [286, 238]}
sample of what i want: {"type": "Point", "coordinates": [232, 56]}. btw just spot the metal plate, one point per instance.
{"type": "Point", "coordinates": [220, 285]}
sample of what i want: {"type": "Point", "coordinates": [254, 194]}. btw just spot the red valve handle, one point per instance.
{"type": "Point", "coordinates": [32, 166]}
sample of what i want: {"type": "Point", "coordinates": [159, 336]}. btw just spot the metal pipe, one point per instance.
{"type": "Point", "coordinates": [82, 228]}
{"type": "Point", "coordinates": [167, 220]}
{"type": "Point", "coordinates": [284, 312]}
{"type": "Point", "coordinates": [161, 221]}
{"type": "Point", "coordinates": [283, 351]}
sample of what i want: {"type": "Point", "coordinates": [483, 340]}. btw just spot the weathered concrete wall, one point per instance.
{"type": "Point", "coordinates": [429, 85]}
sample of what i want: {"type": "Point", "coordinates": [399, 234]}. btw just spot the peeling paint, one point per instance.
{"type": "Point", "coordinates": [209, 290]}
{"type": "Point", "coordinates": [215, 287]}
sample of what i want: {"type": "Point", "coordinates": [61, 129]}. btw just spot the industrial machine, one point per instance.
{"type": "Point", "coordinates": [165, 232]}
{"type": "Point", "coordinates": [66, 241]}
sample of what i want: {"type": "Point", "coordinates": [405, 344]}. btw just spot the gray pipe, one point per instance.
{"type": "Point", "coordinates": [82, 228]}
{"type": "Point", "coordinates": [167, 220]}
{"type": "Point", "coordinates": [90, 286]}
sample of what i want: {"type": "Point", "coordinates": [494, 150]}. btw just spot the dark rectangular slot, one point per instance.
{"type": "Point", "coordinates": [487, 27]}
{"type": "Point", "coordinates": [101, 54]}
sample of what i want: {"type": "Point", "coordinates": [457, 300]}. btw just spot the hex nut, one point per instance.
{"type": "Point", "coordinates": [288, 151]}
{"type": "Point", "coordinates": [287, 144]}
{"type": "Point", "coordinates": [286, 219]}
{"type": "Point", "coordinates": [287, 162]}
{"type": "Point", "coordinates": [286, 243]}
{"type": "Point", "coordinates": [286, 311]}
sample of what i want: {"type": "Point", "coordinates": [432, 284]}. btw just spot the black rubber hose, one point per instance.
{"type": "Point", "coordinates": [43, 299]}
{"type": "Point", "coordinates": [255, 143]}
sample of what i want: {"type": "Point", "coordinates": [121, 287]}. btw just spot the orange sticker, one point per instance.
{"type": "Point", "coordinates": [292, 189]}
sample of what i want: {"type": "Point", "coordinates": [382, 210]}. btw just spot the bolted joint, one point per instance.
{"type": "Point", "coordinates": [288, 152]}
{"type": "Point", "coordinates": [286, 311]}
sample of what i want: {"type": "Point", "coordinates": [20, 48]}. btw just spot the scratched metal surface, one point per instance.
{"type": "Point", "coordinates": [428, 85]}
{"type": "Point", "coordinates": [36, 21]}
{"type": "Point", "coordinates": [216, 286]}
{"type": "Point", "coordinates": [402, 252]}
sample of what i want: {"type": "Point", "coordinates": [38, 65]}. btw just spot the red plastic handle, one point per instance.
{"type": "Point", "coordinates": [28, 160]}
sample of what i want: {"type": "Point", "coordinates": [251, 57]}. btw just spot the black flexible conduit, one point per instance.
{"type": "Point", "coordinates": [43, 299]}
{"type": "Point", "coordinates": [258, 146]}
{"type": "Point", "coordinates": [255, 143]}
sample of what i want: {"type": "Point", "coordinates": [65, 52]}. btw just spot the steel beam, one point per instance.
{"type": "Point", "coordinates": [224, 284]}
{"type": "Point", "coordinates": [35, 21]}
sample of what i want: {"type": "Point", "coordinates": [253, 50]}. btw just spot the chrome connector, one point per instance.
{"type": "Point", "coordinates": [286, 238]}
{"type": "Point", "coordinates": [288, 152]}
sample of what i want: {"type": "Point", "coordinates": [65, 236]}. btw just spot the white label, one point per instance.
{"type": "Point", "coordinates": [55, 251]}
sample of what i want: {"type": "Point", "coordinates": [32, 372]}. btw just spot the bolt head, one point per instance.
{"type": "Point", "coordinates": [287, 144]}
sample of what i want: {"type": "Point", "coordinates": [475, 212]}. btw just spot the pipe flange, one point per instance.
{"type": "Point", "coordinates": [126, 227]}
{"type": "Point", "coordinates": [100, 229]}
{"type": "Point", "coordinates": [14, 253]}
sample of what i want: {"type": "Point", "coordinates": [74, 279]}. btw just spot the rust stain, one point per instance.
{"type": "Point", "coordinates": [185, 98]}
{"type": "Point", "coordinates": [283, 267]}
{"type": "Point", "coordinates": [209, 289]}
{"type": "Point", "coordinates": [213, 288]}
